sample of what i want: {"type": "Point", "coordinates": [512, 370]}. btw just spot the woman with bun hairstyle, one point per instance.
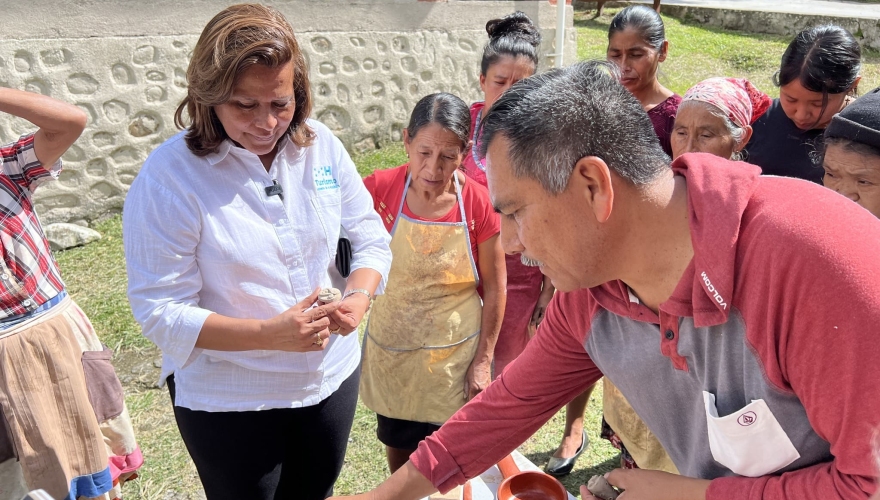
{"type": "Point", "coordinates": [637, 45]}
{"type": "Point", "coordinates": [818, 77]}
{"type": "Point", "coordinates": [510, 56]}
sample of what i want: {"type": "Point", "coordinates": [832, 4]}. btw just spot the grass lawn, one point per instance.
{"type": "Point", "coordinates": [697, 52]}
{"type": "Point", "coordinates": [96, 278]}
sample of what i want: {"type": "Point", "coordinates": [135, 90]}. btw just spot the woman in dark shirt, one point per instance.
{"type": "Point", "coordinates": [818, 77]}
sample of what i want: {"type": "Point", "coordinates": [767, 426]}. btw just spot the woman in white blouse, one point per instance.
{"type": "Point", "coordinates": [230, 228]}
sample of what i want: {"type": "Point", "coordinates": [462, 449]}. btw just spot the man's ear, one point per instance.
{"type": "Point", "coordinates": [592, 180]}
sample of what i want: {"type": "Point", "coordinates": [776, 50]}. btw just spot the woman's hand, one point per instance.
{"type": "Point", "coordinates": [541, 307]}
{"type": "Point", "coordinates": [493, 271]}
{"type": "Point", "coordinates": [479, 375]}
{"type": "Point", "coordinates": [352, 308]}
{"type": "Point", "coordinates": [348, 316]}
{"type": "Point", "coordinates": [302, 328]}
{"type": "Point", "coordinates": [653, 485]}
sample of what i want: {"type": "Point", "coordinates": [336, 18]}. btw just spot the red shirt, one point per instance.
{"type": "Point", "coordinates": [386, 187]}
{"type": "Point", "coordinates": [781, 303]}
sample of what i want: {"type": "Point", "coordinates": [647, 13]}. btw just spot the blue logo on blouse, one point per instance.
{"type": "Point", "coordinates": [324, 179]}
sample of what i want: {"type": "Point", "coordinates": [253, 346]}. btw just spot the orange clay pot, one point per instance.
{"type": "Point", "coordinates": [528, 485]}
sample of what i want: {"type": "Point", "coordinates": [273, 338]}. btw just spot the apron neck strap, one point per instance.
{"type": "Point", "coordinates": [458, 196]}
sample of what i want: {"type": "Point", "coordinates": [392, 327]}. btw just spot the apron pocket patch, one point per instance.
{"type": "Point", "coordinates": [105, 390]}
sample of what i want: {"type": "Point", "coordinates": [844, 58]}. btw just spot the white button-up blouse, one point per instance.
{"type": "Point", "coordinates": [202, 235]}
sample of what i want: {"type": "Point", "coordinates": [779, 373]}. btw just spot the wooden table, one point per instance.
{"type": "Point", "coordinates": [485, 486]}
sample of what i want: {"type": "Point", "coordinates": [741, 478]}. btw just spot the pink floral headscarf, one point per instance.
{"type": "Point", "coordinates": [735, 97]}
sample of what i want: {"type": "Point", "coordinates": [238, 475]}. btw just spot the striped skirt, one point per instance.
{"type": "Point", "coordinates": [64, 417]}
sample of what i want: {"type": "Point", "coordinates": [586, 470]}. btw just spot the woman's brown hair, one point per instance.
{"type": "Point", "coordinates": [237, 38]}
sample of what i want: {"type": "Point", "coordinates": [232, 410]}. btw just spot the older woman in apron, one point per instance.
{"type": "Point", "coordinates": [429, 342]}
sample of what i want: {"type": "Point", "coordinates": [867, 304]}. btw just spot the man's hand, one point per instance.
{"type": "Point", "coordinates": [653, 485]}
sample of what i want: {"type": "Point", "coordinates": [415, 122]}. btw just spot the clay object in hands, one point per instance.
{"type": "Point", "coordinates": [329, 295]}
{"type": "Point", "coordinates": [601, 488]}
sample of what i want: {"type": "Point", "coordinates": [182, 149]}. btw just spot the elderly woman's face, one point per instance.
{"type": "Point", "coordinates": [854, 175]}
{"type": "Point", "coordinates": [698, 130]}
{"type": "Point", "coordinates": [435, 153]}
{"type": "Point", "coordinates": [260, 109]}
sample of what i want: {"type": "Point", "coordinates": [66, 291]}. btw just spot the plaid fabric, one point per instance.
{"type": "Point", "coordinates": [28, 273]}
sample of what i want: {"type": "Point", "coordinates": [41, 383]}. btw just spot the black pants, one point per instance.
{"type": "Point", "coordinates": [279, 454]}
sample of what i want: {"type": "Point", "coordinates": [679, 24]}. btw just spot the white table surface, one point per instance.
{"type": "Point", "coordinates": [486, 485]}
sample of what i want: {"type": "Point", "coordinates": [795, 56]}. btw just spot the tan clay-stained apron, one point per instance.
{"type": "Point", "coordinates": [640, 442]}
{"type": "Point", "coordinates": [422, 334]}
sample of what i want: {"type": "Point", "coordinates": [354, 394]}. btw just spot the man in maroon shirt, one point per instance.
{"type": "Point", "coordinates": [735, 312]}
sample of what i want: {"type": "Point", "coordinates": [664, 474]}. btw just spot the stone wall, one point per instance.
{"type": "Point", "coordinates": [866, 30]}
{"type": "Point", "coordinates": [124, 63]}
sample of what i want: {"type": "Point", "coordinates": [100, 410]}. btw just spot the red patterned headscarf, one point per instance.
{"type": "Point", "coordinates": [735, 97]}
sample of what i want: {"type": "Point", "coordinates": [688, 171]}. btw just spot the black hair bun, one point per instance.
{"type": "Point", "coordinates": [517, 25]}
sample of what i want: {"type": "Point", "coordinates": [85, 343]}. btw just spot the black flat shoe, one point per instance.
{"type": "Point", "coordinates": [562, 466]}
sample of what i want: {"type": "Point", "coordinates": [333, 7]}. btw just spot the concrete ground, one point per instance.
{"type": "Point", "coordinates": [12, 485]}
{"type": "Point", "coordinates": [850, 10]}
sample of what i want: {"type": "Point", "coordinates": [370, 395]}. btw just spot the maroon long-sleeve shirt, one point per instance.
{"type": "Point", "coordinates": [780, 303]}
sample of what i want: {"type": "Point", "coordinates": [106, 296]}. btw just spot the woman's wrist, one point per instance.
{"type": "Point", "coordinates": [267, 335]}
{"type": "Point", "coordinates": [352, 291]}
{"type": "Point", "coordinates": [484, 354]}
{"type": "Point", "coordinates": [358, 299]}
{"type": "Point", "coordinates": [222, 333]}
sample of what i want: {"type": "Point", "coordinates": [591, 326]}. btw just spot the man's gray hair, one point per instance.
{"type": "Point", "coordinates": [554, 119]}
